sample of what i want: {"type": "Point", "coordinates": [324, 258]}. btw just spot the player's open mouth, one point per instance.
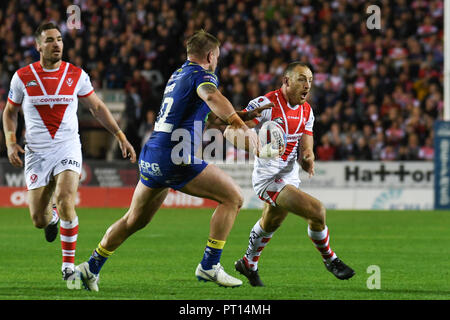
{"type": "Point", "coordinates": [303, 95]}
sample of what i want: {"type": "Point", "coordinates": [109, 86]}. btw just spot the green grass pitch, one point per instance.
{"type": "Point", "coordinates": [411, 249]}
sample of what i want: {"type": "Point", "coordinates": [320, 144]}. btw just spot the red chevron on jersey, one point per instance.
{"type": "Point", "coordinates": [49, 100]}
{"type": "Point", "coordinates": [52, 117]}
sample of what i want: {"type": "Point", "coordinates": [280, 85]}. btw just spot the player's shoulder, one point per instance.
{"type": "Point", "coordinates": [308, 111]}
{"type": "Point", "coordinates": [272, 94]}
{"type": "Point", "coordinates": [73, 68]}
{"type": "Point", "coordinates": [26, 70]}
{"type": "Point", "coordinates": [307, 107]}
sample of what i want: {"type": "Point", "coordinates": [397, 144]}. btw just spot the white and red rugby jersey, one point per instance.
{"type": "Point", "coordinates": [49, 99]}
{"type": "Point", "coordinates": [295, 120]}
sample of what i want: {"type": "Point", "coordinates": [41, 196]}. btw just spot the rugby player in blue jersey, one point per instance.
{"type": "Point", "coordinates": [166, 161]}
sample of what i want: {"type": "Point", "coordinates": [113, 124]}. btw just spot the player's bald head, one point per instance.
{"type": "Point", "coordinates": [296, 67]}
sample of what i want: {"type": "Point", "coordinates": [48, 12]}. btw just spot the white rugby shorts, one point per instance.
{"type": "Point", "coordinates": [41, 167]}
{"type": "Point", "coordinates": [268, 186]}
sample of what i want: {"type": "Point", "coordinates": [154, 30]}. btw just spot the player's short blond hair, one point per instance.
{"type": "Point", "coordinates": [200, 43]}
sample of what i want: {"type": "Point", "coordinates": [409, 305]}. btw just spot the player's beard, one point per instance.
{"type": "Point", "coordinates": [295, 98]}
{"type": "Point", "coordinates": [49, 60]}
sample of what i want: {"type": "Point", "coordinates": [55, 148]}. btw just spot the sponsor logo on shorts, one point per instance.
{"type": "Point", "coordinates": [150, 168]}
{"type": "Point", "coordinates": [70, 162]}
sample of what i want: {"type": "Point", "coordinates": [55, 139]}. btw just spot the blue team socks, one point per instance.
{"type": "Point", "coordinates": [98, 258]}
{"type": "Point", "coordinates": [212, 254]}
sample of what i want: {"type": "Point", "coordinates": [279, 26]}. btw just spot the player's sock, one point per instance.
{"type": "Point", "coordinates": [55, 216]}
{"type": "Point", "coordinates": [321, 241]}
{"type": "Point", "coordinates": [257, 242]}
{"type": "Point", "coordinates": [98, 259]}
{"type": "Point", "coordinates": [212, 253]}
{"type": "Point", "coordinates": [68, 234]}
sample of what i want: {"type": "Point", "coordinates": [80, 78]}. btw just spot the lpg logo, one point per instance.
{"type": "Point", "coordinates": [150, 168]}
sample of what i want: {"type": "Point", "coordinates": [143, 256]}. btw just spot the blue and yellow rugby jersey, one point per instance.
{"type": "Point", "coordinates": [168, 157]}
{"type": "Point", "coordinates": [182, 108]}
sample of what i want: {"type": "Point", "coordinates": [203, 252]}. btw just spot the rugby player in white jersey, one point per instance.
{"type": "Point", "coordinates": [276, 181]}
{"type": "Point", "coordinates": [48, 92]}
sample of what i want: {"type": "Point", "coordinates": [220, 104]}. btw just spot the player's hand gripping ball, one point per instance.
{"type": "Point", "coordinates": [272, 140]}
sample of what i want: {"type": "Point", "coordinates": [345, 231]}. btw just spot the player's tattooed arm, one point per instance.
{"type": "Point", "coordinates": [206, 89]}
{"type": "Point", "coordinates": [223, 108]}
{"type": "Point", "coordinates": [218, 103]}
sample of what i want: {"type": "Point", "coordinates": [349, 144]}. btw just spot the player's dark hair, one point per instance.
{"type": "Point", "coordinates": [291, 66]}
{"type": "Point", "coordinates": [45, 26]}
{"type": "Point", "coordinates": [200, 43]}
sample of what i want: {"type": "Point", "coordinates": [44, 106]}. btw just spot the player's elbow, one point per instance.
{"type": "Point", "coordinates": [94, 109]}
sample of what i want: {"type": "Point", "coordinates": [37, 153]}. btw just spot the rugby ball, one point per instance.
{"type": "Point", "coordinates": [272, 139]}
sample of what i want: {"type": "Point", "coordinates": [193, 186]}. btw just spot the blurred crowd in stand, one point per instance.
{"type": "Point", "coordinates": [375, 95]}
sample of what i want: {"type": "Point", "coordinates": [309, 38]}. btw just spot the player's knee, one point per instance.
{"type": "Point", "coordinates": [319, 216]}
{"type": "Point", "coordinates": [234, 199]}
{"type": "Point", "coordinates": [275, 223]}
{"type": "Point", "coordinates": [322, 213]}
{"type": "Point", "coordinates": [38, 221]}
{"type": "Point", "coordinates": [238, 200]}
{"type": "Point", "coordinates": [64, 200]}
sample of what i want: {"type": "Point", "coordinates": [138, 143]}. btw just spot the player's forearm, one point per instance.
{"type": "Point", "coordinates": [220, 106]}
{"type": "Point", "coordinates": [306, 146]}
{"type": "Point", "coordinates": [9, 124]}
{"type": "Point", "coordinates": [237, 137]}
{"type": "Point", "coordinates": [104, 116]}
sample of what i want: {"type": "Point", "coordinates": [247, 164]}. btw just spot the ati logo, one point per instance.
{"type": "Point", "coordinates": [31, 83]}
{"type": "Point", "coordinates": [33, 178]}
{"type": "Point", "coordinates": [279, 121]}
{"type": "Point", "coordinates": [70, 162]}
{"type": "Point", "coordinates": [69, 82]}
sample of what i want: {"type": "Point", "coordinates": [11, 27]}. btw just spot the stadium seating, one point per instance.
{"type": "Point", "coordinates": [376, 92]}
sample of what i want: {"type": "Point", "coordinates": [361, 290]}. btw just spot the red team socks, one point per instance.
{"type": "Point", "coordinates": [321, 241]}
{"type": "Point", "coordinates": [69, 235]}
